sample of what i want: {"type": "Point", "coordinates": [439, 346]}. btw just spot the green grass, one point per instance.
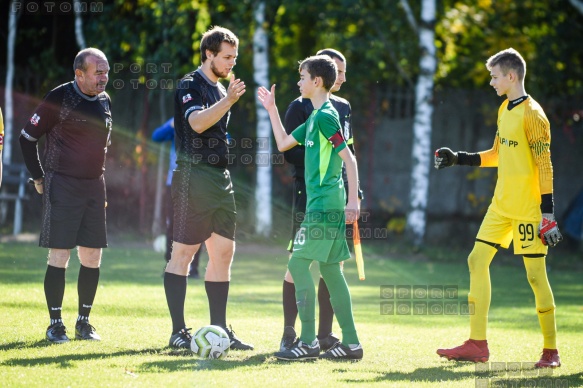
{"type": "Point", "coordinates": [131, 315]}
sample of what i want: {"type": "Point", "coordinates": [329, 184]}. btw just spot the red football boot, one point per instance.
{"type": "Point", "coordinates": [471, 350]}
{"type": "Point", "coordinates": [549, 359]}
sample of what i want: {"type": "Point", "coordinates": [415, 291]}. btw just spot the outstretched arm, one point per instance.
{"type": "Point", "coordinates": [444, 157]}
{"type": "Point", "coordinates": [283, 140]}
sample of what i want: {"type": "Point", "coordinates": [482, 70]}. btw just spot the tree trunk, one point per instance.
{"type": "Point", "coordinates": [79, 25]}
{"type": "Point", "coordinates": [13, 14]}
{"type": "Point", "coordinates": [263, 217]}
{"type": "Point", "coordinates": [421, 152]}
{"type": "Point", "coordinates": [578, 4]}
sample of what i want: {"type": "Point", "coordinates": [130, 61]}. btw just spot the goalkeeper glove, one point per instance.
{"type": "Point", "coordinates": [548, 230]}
{"type": "Point", "coordinates": [444, 157]}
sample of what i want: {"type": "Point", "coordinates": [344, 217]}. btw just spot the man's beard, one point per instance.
{"type": "Point", "coordinates": [216, 72]}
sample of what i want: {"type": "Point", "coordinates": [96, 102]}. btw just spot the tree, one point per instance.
{"type": "Point", "coordinates": [578, 4]}
{"type": "Point", "coordinates": [13, 15]}
{"type": "Point", "coordinates": [263, 219]}
{"type": "Point", "coordinates": [79, 25]}
{"type": "Point", "coordinates": [422, 123]}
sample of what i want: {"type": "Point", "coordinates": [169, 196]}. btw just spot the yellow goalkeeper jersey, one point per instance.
{"type": "Point", "coordinates": [522, 154]}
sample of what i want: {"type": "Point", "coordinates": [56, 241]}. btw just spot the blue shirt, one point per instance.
{"type": "Point", "coordinates": [165, 132]}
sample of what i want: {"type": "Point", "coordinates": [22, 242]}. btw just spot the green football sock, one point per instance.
{"type": "Point", "coordinates": [305, 297]}
{"type": "Point", "coordinates": [341, 301]}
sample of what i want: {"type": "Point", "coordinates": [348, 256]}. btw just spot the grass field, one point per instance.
{"type": "Point", "coordinates": [131, 315]}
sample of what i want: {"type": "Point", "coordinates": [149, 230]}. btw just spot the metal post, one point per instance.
{"type": "Point", "coordinates": [18, 203]}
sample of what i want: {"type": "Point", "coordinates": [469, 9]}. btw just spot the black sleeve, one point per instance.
{"type": "Point", "coordinates": [44, 118]}
{"type": "Point", "coordinates": [31, 159]}
{"type": "Point", "coordinates": [294, 117]}
{"type": "Point", "coordinates": [190, 96]}
{"type": "Point", "coordinates": [348, 126]}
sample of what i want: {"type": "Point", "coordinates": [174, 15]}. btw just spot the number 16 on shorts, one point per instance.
{"type": "Point", "coordinates": [300, 237]}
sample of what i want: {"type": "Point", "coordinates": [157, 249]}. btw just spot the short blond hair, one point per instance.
{"type": "Point", "coordinates": [508, 59]}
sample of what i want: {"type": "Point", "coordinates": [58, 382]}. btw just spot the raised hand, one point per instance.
{"type": "Point", "coordinates": [236, 89]}
{"type": "Point", "coordinates": [266, 97]}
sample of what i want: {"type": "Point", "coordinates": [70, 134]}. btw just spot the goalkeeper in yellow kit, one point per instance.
{"type": "Point", "coordinates": [521, 209]}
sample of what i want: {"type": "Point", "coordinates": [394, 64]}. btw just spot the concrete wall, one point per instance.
{"type": "Point", "coordinates": [459, 196]}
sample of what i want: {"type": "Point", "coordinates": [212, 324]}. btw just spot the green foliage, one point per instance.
{"type": "Point", "coordinates": [373, 34]}
{"type": "Point", "coordinates": [381, 48]}
{"type": "Point", "coordinates": [547, 34]}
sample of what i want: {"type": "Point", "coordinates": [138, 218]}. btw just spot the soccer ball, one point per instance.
{"type": "Point", "coordinates": [210, 342]}
{"type": "Point", "coordinates": [160, 244]}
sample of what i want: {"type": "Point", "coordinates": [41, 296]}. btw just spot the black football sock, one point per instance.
{"type": "Point", "coordinates": [290, 307]}
{"type": "Point", "coordinates": [86, 289]}
{"type": "Point", "coordinates": [175, 289]}
{"type": "Point", "coordinates": [54, 292]}
{"type": "Point", "coordinates": [326, 313]}
{"type": "Point", "coordinates": [217, 294]}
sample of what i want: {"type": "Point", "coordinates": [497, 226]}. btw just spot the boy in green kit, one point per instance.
{"type": "Point", "coordinates": [321, 236]}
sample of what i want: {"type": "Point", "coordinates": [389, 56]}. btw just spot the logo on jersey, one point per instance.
{"type": "Point", "coordinates": [186, 98]}
{"type": "Point", "coordinates": [508, 142]}
{"type": "Point", "coordinates": [109, 126]}
{"type": "Point", "coordinates": [347, 128]}
{"type": "Point", "coordinates": [35, 119]}
{"type": "Point", "coordinates": [309, 143]}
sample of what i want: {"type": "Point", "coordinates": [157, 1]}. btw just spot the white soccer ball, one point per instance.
{"type": "Point", "coordinates": [210, 342]}
{"type": "Point", "coordinates": [160, 244]}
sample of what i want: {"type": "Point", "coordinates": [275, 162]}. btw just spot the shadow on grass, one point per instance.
{"type": "Point", "coordinates": [572, 380]}
{"type": "Point", "coordinates": [485, 379]}
{"type": "Point", "coordinates": [25, 345]}
{"type": "Point", "coordinates": [66, 360]}
{"type": "Point", "coordinates": [205, 364]}
{"type": "Point", "coordinates": [175, 361]}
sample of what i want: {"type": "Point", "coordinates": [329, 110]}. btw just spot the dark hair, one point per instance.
{"type": "Point", "coordinates": [321, 66]}
{"type": "Point", "coordinates": [213, 38]}
{"type": "Point", "coordinates": [332, 53]}
{"type": "Point", "coordinates": [80, 59]}
{"type": "Point", "coordinates": [508, 59]}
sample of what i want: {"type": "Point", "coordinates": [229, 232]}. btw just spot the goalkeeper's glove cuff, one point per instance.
{"type": "Point", "coordinates": [469, 159]}
{"type": "Point", "coordinates": [547, 204]}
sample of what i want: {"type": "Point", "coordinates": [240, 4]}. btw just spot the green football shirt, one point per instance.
{"type": "Point", "coordinates": [321, 135]}
{"type": "Point", "coordinates": [322, 235]}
